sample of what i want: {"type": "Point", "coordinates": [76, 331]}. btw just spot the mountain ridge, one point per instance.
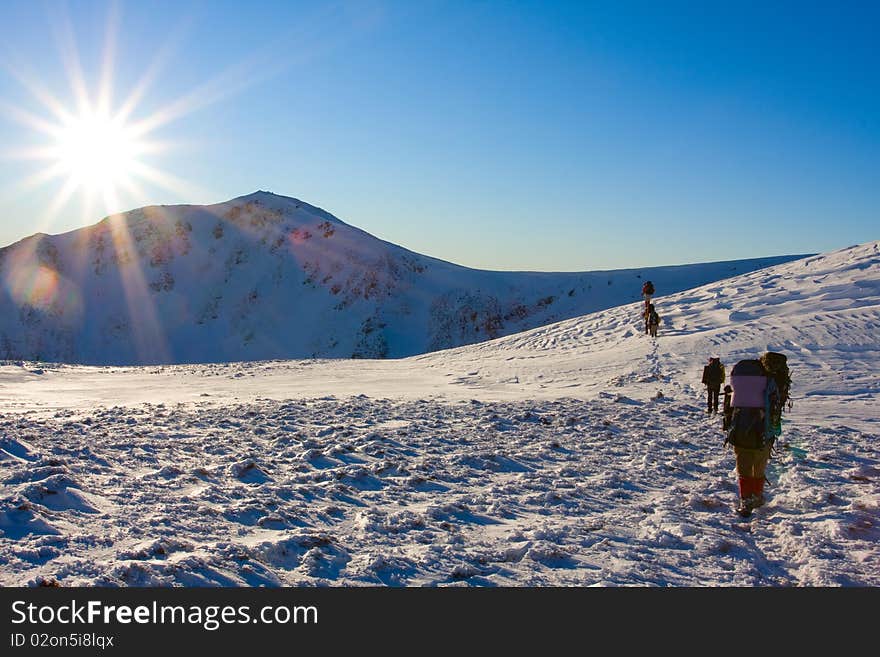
{"type": "Point", "coordinates": [265, 276]}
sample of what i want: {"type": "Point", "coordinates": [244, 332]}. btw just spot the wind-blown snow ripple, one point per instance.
{"type": "Point", "coordinates": [380, 492]}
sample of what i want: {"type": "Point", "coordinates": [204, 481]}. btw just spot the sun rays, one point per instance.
{"type": "Point", "coordinates": [88, 145]}
{"type": "Point", "coordinates": [105, 138]}
{"type": "Point", "coordinates": [94, 133]}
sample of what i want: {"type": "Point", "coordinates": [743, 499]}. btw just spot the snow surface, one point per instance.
{"type": "Point", "coordinates": [267, 277]}
{"type": "Point", "coordinates": [574, 454]}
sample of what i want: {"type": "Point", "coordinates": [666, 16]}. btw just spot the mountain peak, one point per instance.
{"type": "Point", "coordinates": [284, 204]}
{"type": "Point", "coordinates": [262, 193]}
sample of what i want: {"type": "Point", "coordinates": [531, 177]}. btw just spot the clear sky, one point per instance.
{"type": "Point", "coordinates": [499, 135]}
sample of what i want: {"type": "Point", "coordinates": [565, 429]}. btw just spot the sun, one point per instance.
{"type": "Point", "coordinates": [97, 152]}
{"type": "Point", "coordinates": [94, 150]}
{"type": "Point", "coordinates": [92, 141]}
{"type": "Point", "coordinates": [100, 139]}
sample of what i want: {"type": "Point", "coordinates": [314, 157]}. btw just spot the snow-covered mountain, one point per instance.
{"type": "Point", "coordinates": [270, 277]}
{"type": "Point", "coordinates": [574, 454]}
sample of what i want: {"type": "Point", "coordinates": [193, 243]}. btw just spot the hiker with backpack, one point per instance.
{"type": "Point", "coordinates": [727, 409]}
{"type": "Point", "coordinates": [760, 392]}
{"type": "Point", "coordinates": [713, 377]}
{"type": "Point", "coordinates": [647, 292]}
{"type": "Point", "coordinates": [653, 320]}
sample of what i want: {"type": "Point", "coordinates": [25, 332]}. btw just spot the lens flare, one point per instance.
{"type": "Point", "coordinates": [37, 287]}
{"type": "Point", "coordinates": [43, 289]}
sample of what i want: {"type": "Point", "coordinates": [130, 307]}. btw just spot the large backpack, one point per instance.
{"type": "Point", "coordinates": [713, 373]}
{"type": "Point", "coordinates": [776, 365]}
{"type": "Point", "coordinates": [748, 423]}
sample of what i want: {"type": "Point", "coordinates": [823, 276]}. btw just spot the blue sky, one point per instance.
{"type": "Point", "coordinates": [499, 135]}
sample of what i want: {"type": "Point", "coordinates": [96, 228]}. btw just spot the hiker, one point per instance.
{"type": "Point", "coordinates": [776, 365]}
{"type": "Point", "coordinates": [653, 321]}
{"type": "Point", "coordinates": [647, 292]}
{"type": "Point", "coordinates": [727, 409]}
{"type": "Point", "coordinates": [760, 391]}
{"type": "Point", "coordinates": [713, 377]}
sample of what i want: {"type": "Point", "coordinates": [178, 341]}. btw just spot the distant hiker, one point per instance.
{"type": "Point", "coordinates": [647, 292]}
{"type": "Point", "coordinates": [728, 408]}
{"type": "Point", "coordinates": [713, 377]}
{"type": "Point", "coordinates": [760, 392]}
{"type": "Point", "coordinates": [653, 321]}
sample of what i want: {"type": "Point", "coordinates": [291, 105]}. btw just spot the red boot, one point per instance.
{"type": "Point", "coordinates": [758, 491]}
{"type": "Point", "coordinates": [745, 490]}
{"type": "Point", "coordinates": [750, 494]}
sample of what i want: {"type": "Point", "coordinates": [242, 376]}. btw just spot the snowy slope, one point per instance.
{"type": "Point", "coordinates": [266, 277]}
{"type": "Point", "coordinates": [573, 454]}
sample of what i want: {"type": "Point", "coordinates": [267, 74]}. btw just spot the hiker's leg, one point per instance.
{"type": "Point", "coordinates": [750, 466]}
{"type": "Point", "coordinates": [743, 472]}
{"type": "Point", "coordinates": [760, 473]}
